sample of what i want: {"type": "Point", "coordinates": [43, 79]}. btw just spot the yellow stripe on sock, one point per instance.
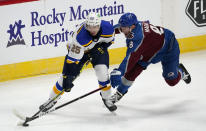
{"type": "Point", "coordinates": [56, 91]}
{"type": "Point", "coordinates": [106, 88]}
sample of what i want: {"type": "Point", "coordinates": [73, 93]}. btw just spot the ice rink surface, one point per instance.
{"type": "Point", "coordinates": [150, 104]}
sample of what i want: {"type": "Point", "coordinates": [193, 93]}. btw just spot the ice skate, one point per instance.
{"type": "Point", "coordinates": [109, 104]}
{"type": "Point", "coordinates": [44, 107]}
{"type": "Point", "coordinates": [186, 76]}
{"type": "Point", "coordinates": [117, 96]}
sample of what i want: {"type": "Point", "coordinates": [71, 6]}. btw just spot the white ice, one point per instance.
{"type": "Point", "coordinates": [150, 104]}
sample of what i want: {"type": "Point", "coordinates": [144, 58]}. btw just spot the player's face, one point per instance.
{"type": "Point", "coordinates": [93, 30]}
{"type": "Point", "coordinates": [125, 30]}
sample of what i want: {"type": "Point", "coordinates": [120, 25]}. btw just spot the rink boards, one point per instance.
{"type": "Point", "coordinates": [54, 65]}
{"type": "Point", "coordinates": [33, 37]}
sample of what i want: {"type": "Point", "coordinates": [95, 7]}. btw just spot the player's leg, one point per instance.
{"type": "Point", "coordinates": [172, 70]}
{"type": "Point", "coordinates": [126, 82]}
{"type": "Point", "coordinates": [58, 87]}
{"type": "Point", "coordinates": [103, 80]}
{"type": "Point", "coordinates": [101, 65]}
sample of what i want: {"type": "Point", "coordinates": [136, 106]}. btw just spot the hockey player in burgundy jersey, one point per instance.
{"type": "Point", "coordinates": [146, 44]}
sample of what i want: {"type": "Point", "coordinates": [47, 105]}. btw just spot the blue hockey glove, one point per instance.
{"type": "Point", "coordinates": [115, 78]}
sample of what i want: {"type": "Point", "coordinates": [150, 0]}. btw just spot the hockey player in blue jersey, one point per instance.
{"type": "Point", "coordinates": [146, 44]}
{"type": "Point", "coordinates": [88, 43]}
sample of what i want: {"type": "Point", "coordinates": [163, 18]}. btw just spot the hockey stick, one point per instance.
{"type": "Point", "coordinates": [49, 103]}
{"type": "Point", "coordinates": [86, 63]}
{"type": "Point", "coordinates": [40, 110]}
{"type": "Point", "coordinates": [28, 119]}
{"type": "Point", "coordinates": [39, 113]}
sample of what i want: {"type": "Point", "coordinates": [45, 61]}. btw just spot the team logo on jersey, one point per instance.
{"type": "Point", "coordinates": [196, 11]}
{"type": "Point", "coordinates": [170, 74]}
{"type": "Point", "coordinates": [15, 37]}
{"type": "Point", "coordinates": [131, 44]}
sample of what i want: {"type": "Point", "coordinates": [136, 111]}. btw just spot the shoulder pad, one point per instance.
{"type": "Point", "coordinates": [135, 40]}
{"type": "Point", "coordinates": [83, 36]}
{"type": "Point", "coordinates": [107, 29]}
{"type": "Point", "coordinates": [137, 33]}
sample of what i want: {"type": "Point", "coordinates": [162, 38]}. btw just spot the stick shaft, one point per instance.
{"type": "Point", "coordinates": [78, 98]}
{"type": "Point", "coordinates": [28, 119]}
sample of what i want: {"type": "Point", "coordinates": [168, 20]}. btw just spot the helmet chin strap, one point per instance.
{"type": "Point", "coordinates": [130, 29]}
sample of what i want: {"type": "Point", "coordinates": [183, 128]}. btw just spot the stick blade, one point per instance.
{"type": "Point", "coordinates": [20, 123]}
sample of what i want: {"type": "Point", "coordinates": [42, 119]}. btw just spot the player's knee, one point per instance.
{"type": "Point", "coordinates": [173, 82]}
{"type": "Point", "coordinates": [101, 71]}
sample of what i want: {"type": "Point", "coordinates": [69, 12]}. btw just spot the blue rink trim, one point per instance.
{"type": "Point", "coordinates": [59, 87]}
{"type": "Point", "coordinates": [104, 83]}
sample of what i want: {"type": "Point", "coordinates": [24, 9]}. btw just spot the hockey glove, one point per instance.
{"type": "Point", "coordinates": [67, 83]}
{"type": "Point", "coordinates": [99, 49]}
{"type": "Point", "coordinates": [115, 78]}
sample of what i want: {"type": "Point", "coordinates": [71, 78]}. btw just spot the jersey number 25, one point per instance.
{"type": "Point", "coordinates": [75, 49]}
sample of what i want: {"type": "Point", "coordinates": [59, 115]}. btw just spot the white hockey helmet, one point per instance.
{"type": "Point", "coordinates": [93, 19]}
